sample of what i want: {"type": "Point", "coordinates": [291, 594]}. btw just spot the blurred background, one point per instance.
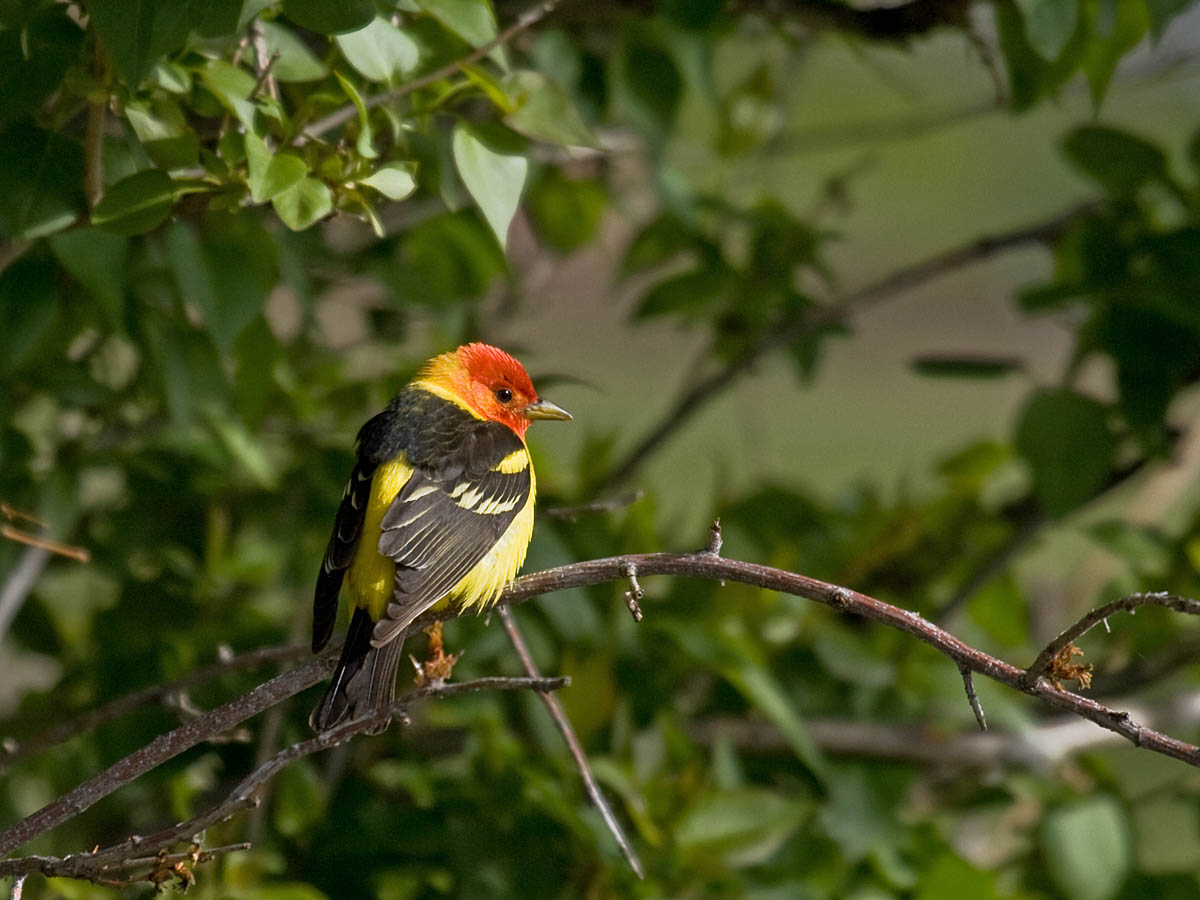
{"type": "Point", "coordinates": [904, 293]}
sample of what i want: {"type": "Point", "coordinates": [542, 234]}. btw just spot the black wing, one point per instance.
{"type": "Point", "coordinates": [340, 550]}
{"type": "Point", "coordinates": [446, 519]}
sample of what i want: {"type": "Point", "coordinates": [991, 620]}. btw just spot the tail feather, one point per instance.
{"type": "Point", "coordinates": [364, 680]}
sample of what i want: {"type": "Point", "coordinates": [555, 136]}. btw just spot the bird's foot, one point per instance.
{"type": "Point", "coordinates": [439, 664]}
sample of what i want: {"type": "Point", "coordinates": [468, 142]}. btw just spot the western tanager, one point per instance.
{"type": "Point", "coordinates": [438, 510]}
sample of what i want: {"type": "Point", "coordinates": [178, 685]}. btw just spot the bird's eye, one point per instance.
{"type": "Point", "coordinates": [504, 395]}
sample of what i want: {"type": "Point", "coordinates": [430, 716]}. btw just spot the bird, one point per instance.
{"type": "Point", "coordinates": [437, 511]}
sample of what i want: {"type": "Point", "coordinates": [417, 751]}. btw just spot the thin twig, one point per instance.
{"type": "Point", "coordinates": [204, 855]}
{"type": "Point", "coordinates": [524, 21]}
{"type": "Point", "coordinates": [568, 732]}
{"type": "Point", "coordinates": [19, 515]}
{"type": "Point", "coordinates": [243, 42]}
{"type": "Point", "coordinates": [263, 61]}
{"type": "Point", "coordinates": [93, 152]}
{"type": "Point", "coordinates": [634, 595]}
{"type": "Point", "coordinates": [18, 888]}
{"type": "Point", "coordinates": [1096, 616]}
{"type": "Point", "coordinates": [973, 698]}
{"type": "Point", "coordinates": [93, 865]}
{"type": "Point", "coordinates": [79, 554]}
{"type": "Point", "coordinates": [715, 539]}
{"type": "Point", "coordinates": [701, 392]}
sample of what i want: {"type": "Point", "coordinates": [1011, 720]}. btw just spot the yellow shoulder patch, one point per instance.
{"type": "Point", "coordinates": [517, 461]}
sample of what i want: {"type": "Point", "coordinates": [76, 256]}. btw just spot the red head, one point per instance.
{"type": "Point", "coordinates": [490, 383]}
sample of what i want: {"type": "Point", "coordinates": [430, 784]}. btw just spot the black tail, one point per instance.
{"type": "Point", "coordinates": [364, 680]}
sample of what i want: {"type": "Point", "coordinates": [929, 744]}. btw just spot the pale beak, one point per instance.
{"type": "Point", "coordinates": [544, 409]}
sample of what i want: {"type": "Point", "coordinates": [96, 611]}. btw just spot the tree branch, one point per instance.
{"type": "Point", "coordinates": [572, 740]}
{"type": "Point", "coordinates": [703, 564]}
{"type": "Point", "coordinates": [96, 865]}
{"type": "Point", "coordinates": [701, 392]}
{"type": "Point", "coordinates": [1096, 616]}
{"type": "Point", "coordinates": [163, 748]}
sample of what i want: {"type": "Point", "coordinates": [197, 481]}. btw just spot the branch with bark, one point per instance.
{"type": "Point", "coordinates": [1035, 680]}
{"type": "Point", "coordinates": [100, 865]}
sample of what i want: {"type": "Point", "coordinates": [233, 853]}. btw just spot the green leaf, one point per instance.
{"type": "Point", "coordinates": [136, 204]}
{"type": "Point", "coordinates": [28, 310]}
{"type": "Point", "coordinates": [325, 17]}
{"type": "Point", "coordinates": [1086, 846]}
{"type": "Point", "coordinates": [744, 826]}
{"type": "Point", "coordinates": [137, 34]}
{"type": "Point", "coordinates": [40, 182]}
{"type": "Point", "coordinates": [543, 111]}
{"type": "Point", "coordinates": [690, 292]}
{"type": "Point", "coordinates": [447, 260]}
{"type": "Point", "coordinates": [848, 656]}
{"type": "Point", "coordinates": [1167, 831]}
{"type": "Point", "coordinates": [268, 174]}
{"type": "Point", "coordinates": [762, 689]}
{"type": "Point", "coordinates": [741, 663]}
{"type": "Point", "coordinates": [296, 62]}
{"type": "Point", "coordinates": [1049, 24]}
{"type": "Point", "coordinates": [652, 88]}
{"type": "Point", "coordinates": [1162, 12]}
{"type": "Point", "coordinates": [245, 449]}
{"type": "Point", "coordinates": [1067, 441]}
{"type": "Point", "coordinates": [1026, 70]}
{"type": "Point", "coordinates": [363, 145]}
{"type": "Point", "coordinates": [394, 180]}
{"type": "Point", "coordinates": [565, 211]}
{"type": "Point", "coordinates": [471, 20]}
{"type": "Point", "coordinates": [953, 878]}
{"type": "Point", "coordinates": [218, 277]}
{"type": "Point", "coordinates": [860, 819]}
{"type": "Point", "coordinates": [380, 51]}
{"type": "Point", "coordinates": [1145, 549]}
{"type": "Point", "coordinates": [164, 132]}
{"type": "Point", "coordinates": [156, 120]}
{"type": "Point", "coordinates": [493, 179]}
{"type": "Point", "coordinates": [33, 61]}
{"type": "Point", "coordinates": [256, 351]}
{"type": "Point", "coordinates": [300, 798]}
{"type": "Point", "coordinates": [662, 239]}
{"type": "Point", "coordinates": [942, 366]}
{"type": "Point", "coordinates": [1119, 162]}
{"type": "Point", "coordinates": [97, 261]}
{"type": "Point", "coordinates": [1111, 41]}
{"type": "Point", "coordinates": [232, 86]}
{"type": "Point", "coordinates": [304, 203]}
{"type": "Point", "coordinates": [217, 18]}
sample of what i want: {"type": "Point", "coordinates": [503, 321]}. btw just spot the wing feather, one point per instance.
{"type": "Point", "coordinates": [435, 536]}
{"type": "Point", "coordinates": [340, 551]}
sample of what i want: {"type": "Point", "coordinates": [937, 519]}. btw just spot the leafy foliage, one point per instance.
{"type": "Point", "coordinates": [232, 228]}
